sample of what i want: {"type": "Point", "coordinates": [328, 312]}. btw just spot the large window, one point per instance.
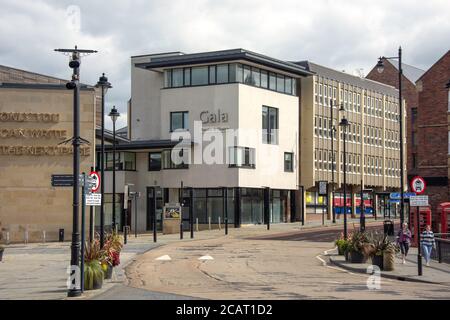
{"type": "Point", "coordinates": [269, 125]}
{"type": "Point", "coordinates": [199, 76]}
{"type": "Point", "coordinates": [179, 120]}
{"type": "Point", "coordinates": [242, 157]}
{"type": "Point", "coordinates": [167, 163]}
{"type": "Point", "coordinates": [229, 73]}
{"type": "Point", "coordinates": [288, 162]}
{"type": "Point", "coordinates": [154, 161]}
{"type": "Point", "coordinates": [125, 161]}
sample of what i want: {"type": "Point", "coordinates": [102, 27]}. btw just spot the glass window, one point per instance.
{"type": "Point", "coordinates": [256, 75]}
{"type": "Point", "coordinates": [248, 76]}
{"type": "Point", "coordinates": [177, 78]}
{"type": "Point", "coordinates": [269, 125]}
{"type": "Point", "coordinates": [167, 78]}
{"type": "Point", "coordinates": [288, 162]}
{"type": "Point", "coordinates": [272, 81]}
{"type": "Point", "coordinates": [199, 76]}
{"type": "Point", "coordinates": [242, 157]}
{"type": "Point", "coordinates": [288, 85]}
{"type": "Point", "coordinates": [264, 79]}
{"type": "Point", "coordinates": [212, 74]}
{"type": "Point", "coordinates": [179, 120]}
{"type": "Point", "coordinates": [222, 73]}
{"type": "Point", "coordinates": [294, 87]}
{"type": "Point", "coordinates": [167, 163]}
{"type": "Point", "coordinates": [187, 76]}
{"type": "Point", "coordinates": [280, 83]}
{"type": "Point", "coordinates": [154, 161]}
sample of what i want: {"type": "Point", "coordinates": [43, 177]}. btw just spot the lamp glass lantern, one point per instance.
{"type": "Point", "coordinates": [114, 114]}
{"type": "Point", "coordinates": [380, 65]}
{"type": "Point", "coordinates": [103, 83]}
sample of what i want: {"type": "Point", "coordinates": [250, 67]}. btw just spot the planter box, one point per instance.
{"type": "Point", "coordinates": [357, 257]}
{"type": "Point", "coordinates": [378, 261]}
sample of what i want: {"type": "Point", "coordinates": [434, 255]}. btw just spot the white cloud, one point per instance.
{"type": "Point", "coordinates": [344, 34]}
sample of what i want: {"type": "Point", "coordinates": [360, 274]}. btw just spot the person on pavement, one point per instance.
{"type": "Point", "coordinates": [404, 240]}
{"type": "Point", "coordinates": [428, 243]}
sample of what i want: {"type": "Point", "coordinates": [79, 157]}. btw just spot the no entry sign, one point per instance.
{"type": "Point", "coordinates": [418, 185]}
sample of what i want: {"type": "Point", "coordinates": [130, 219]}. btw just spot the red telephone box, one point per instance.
{"type": "Point", "coordinates": [424, 220]}
{"type": "Point", "coordinates": [444, 214]}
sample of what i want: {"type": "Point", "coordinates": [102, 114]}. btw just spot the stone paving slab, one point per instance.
{"type": "Point", "coordinates": [436, 273]}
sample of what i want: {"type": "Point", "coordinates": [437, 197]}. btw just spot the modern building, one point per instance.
{"type": "Point", "coordinates": [411, 96]}
{"type": "Point", "coordinates": [36, 113]}
{"type": "Point", "coordinates": [244, 101]}
{"type": "Point", "coordinates": [373, 140]}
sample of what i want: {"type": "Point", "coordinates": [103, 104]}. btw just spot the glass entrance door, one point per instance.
{"type": "Point", "coordinates": [154, 203]}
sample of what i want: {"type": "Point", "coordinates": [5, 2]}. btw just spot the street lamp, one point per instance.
{"type": "Point", "coordinates": [344, 125]}
{"type": "Point", "coordinates": [380, 69]}
{"type": "Point", "coordinates": [104, 85]}
{"type": "Point", "coordinates": [114, 114]}
{"type": "Point", "coordinates": [332, 134]}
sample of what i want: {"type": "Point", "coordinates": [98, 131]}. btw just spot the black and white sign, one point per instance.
{"type": "Point", "coordinates": [418, 201]}
{"type": "Point", "coordinates": [94, 199]}
{"type": "Point", "coordinates": [323, 188]}
{"type": "Point", "coordinates": [418, 185]}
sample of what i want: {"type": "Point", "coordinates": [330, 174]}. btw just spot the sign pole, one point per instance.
{"type": "Point", "coordinates": [419, 251]}
{"type": "Point", "coordinates": [83, 234]}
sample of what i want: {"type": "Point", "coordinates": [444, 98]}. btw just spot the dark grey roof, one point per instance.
{"type": "Point", "coordinates": [222, 56]}
{"type": "Point", "coordinates": [142, 145]}
{"type": "Point", "coordinates": [411, 73]}
{"type": "Point", "coordinates": [109, 136]}
{"type": "Point", "coordinates": [43, 86]}
{"type": "Point", "coordinates": [348, 78]}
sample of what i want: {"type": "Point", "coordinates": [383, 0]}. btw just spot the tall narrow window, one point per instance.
{"type": "Point", "coordinates": [269, 125]}
{"type": "Point", "coordinates": [212, 74]}
{"type": "Point", "coordinates": [222, 73]}
{"type": "Point", "coordinates": [264, 79]}
{"type": "Point", "coordinates": [272, 81]}
{"type": "Point", "coordinates": [288, 162]}
{"type": "Point", "coordinates": [154, 161]}
{"type": "Point", "coordinates": [187, 76]}
{"type": "Point", "coordinates": [177, 78]}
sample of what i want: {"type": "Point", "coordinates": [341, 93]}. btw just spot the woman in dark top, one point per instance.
{"type": "Point", "coordinates": [404, 240]}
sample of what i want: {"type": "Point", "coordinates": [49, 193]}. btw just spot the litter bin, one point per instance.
{"type": "Point", "coordinates": [388, 227]}
{"type": "Point", "coordinates": [61, 235]}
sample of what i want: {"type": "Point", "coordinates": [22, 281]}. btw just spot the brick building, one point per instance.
{"type": "Point", "coordinates": [410, 95]}
{"type": "Point", "coordinates": [432, 131]}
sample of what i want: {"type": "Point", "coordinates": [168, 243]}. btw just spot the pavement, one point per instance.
{"type": "Point", "coordinates": [255, 269]}
{"type": "Point", "coordinates": [436, 273]}
{"type": "Point", "coordinates": [39, 270]}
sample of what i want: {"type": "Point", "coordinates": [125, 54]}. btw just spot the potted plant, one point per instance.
{"type": "Point", "coordinates": [93, 273]}
{"type": "Point", "coordinates": [341, 245]}
{"type": "Point", "coordinates": [359, 247]}
{"type": "Point", "coordinates": [389, 256]}
{"type": "Point", "coordinates": [2, 249]}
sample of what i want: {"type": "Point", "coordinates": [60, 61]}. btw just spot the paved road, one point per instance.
{"type": "Point", "coordinates": [249, 268]}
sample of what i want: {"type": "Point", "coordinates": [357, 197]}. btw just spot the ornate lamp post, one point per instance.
{"type": "Point", "coordinates": [380, 69]}
{"type": "Point", "coordinates": [114, 115]}
{"type": "Point", "coordinates": [104, 85]}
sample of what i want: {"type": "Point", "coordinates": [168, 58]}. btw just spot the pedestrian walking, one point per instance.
{"type": "Point", "coordinates": [404, 240]}
{"type": "Point", "coordinates": [427, 242]}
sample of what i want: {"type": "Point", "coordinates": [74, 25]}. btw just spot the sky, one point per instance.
{"type": "Point", "coordinates": [343, 34]}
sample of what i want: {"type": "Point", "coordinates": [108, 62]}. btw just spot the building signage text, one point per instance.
{"type": "Point", "coordinates": [208, 117]}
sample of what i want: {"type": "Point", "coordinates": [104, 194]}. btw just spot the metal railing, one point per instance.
{"type": "Point", "coordinates": [442, 252]}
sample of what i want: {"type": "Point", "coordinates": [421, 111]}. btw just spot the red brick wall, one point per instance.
{"type": "Point", "coordinates": [410, 95]}
{"type": "Point", "coordinates": [433, 128]}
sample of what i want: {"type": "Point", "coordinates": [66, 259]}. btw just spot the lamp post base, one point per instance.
{"type": "Point", "coordinates": [74, 293]}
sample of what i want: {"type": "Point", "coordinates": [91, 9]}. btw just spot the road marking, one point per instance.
{"type": "Point", "coordinates": [164, 258]}
{"type": "Point", "coordinates": [206, 258]}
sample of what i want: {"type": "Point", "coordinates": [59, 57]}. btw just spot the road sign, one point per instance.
{"type": "Point", "coordinates": [323, 188]}
{"type": "Point", "coordinates": [418, 201]}
{"type": "Point", "coordinates": [93, 199]}
{"type": "Point", "coordinates": [418, 185]}
{"type": "Point", "coordinates": [62, 180]}
{"type": "Point", "coordinates": [406, 195]}
{"type": "Point", "coordinates": [96, 178]}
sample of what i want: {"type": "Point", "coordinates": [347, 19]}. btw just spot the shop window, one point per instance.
{"type": "Point", "coordinates": [168, 163]}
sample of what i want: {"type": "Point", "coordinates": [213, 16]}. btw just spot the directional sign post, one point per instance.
{"type": "Point", "coordinates": [62, 180]}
